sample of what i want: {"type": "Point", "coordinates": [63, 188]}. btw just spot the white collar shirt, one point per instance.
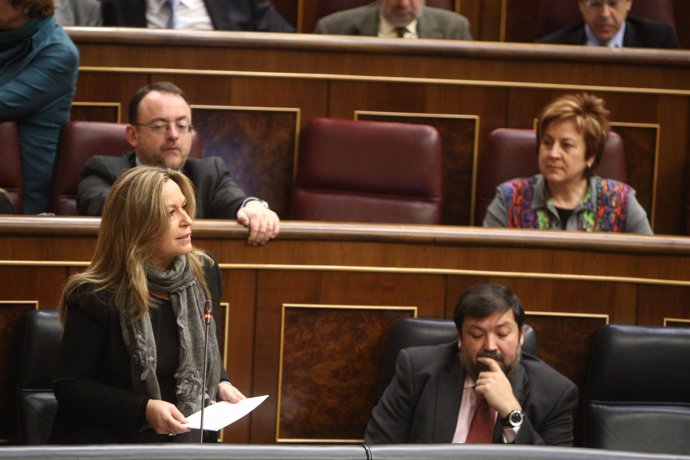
{"type": "Point", "coordinates": [615, 42]}
{"type": "Point", "coordinates": [191, 14]}
{"type": "Point", "coordinates": [387, 30]}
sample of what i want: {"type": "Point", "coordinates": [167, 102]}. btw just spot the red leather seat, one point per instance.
{"type": "Point", "coordinates": [554, 14]}
{"type": "Point", "coordinates": [11, 170]}
{"type": "Point", "coordinates": [80, 141]}
{"type": "Point", "coordinates": [368, 171]}
{"type": "Point", "coordinates": [512, 153]}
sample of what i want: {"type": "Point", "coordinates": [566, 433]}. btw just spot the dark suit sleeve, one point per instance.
{"type": "Point", "coordinates": [648, 33]}
{"type": "Point", "coordinates": [218, 196]}
{"type": "Point", "coordinates": [251, 15]}
{"type": "Point", "coordinates": [391, 419]}
{"type": "Point", "coordinates": [557, 428]}
{"type": "Point", "coordinates": [549, 409]}
{"type": "Point", "coordinates": [267, 19]}
{"type": "Point", "coordinates": [573, 34]}
{"type": "Point", "coordinates": [98, 175]}
{"type": "Point", "coordinates": [5, 204]}
{"type": "Point", "coordinates": [124, 13]}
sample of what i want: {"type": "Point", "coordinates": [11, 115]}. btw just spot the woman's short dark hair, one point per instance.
{"type": "Point", "coordinates": [590, 116]}
{"type": "Point", "coordinates": [36, 8]}
{"type": "Point", "coordinates": [482, 300]}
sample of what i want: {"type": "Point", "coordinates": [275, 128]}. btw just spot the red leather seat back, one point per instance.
{"type": "Point", "coordinates": [367, 171]}
{"type": "Point", "coordinates": [554, 14]}
{"type": "Point", "coordinates": [80, 141]}
{"type": "Point", "coordinates": [513, 153]}
{"type": "Point", "coordinates": [11, 171]}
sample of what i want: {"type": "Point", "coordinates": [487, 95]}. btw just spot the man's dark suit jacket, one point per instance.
{"type": "Point", "coordinates": [217, 195]}
{"type": "Point", "coordinates": [639, 33]}
{"type": "Point", "coordinates": [6, 205]}
{"type": "Point", "coordinates": [422, 402]}
{"type": "Point", "coordinates": [251, 15]}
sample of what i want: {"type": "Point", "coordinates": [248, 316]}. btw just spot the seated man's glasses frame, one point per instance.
{"type": "Point", "coordinates": [600, 3]}
{"type": "Point", "coordinates": [161, 127]}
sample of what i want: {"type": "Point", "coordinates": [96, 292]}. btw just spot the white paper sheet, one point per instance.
{"type": "Point", "coordinates": [221, 414]}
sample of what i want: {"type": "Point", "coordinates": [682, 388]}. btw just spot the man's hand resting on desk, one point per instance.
{"type": "Point", "coordinates": [264, 224]}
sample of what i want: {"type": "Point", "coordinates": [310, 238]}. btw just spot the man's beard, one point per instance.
{"type": "Point", "coordinates": [474, 369]}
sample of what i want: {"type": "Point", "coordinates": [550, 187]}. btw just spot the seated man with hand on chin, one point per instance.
{"type": "Point", "coordinates": [161, 131]}
{"type": "Point", "coordinates": [480, 389]}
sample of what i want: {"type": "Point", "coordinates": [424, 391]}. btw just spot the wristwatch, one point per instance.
{"type": "Point", "coordinates": [514, 419]}
{"type": "Point", "coordinates": [252, 198]}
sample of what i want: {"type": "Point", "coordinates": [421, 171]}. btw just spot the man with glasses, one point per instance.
{"type": "Point", "coordinates": [160, 130]}
{"type": "Point", "coordinates": [607, 23]}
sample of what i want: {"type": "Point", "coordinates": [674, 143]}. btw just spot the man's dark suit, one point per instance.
{"type": "Point", "coordinates": [364, 20]}
{"type": "Point", "coordinates": [422, 402]}
{"type": "Point", "coordinates": [217, 195]}
{"type": "Point", "coordinates": [6, 205]}
{"type": "Point", "coordinates": [251, 15]}
{"type": "Point", "coordinates": [639, 33]}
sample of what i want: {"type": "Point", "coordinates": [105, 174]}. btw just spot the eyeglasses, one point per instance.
{"type": "Point", "coordinates": [160, 127]}
{"type": "Point", "coordinates": [600, 3]}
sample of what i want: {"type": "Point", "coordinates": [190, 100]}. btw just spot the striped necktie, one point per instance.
{"type": "Point", "coordinates": [401, 31]}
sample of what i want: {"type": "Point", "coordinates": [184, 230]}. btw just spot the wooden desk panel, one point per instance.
{"type": "Point", "coordinates": [490, 20]}
{"type": "Point", "coordinates": [568, 282]}
{"type": "Point", "coordinates": [500, 85]}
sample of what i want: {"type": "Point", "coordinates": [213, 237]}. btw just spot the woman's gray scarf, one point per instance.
{"type": "Point", "coordinates": [188, 301]}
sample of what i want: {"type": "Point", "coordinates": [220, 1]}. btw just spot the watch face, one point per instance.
{"type": "Point", "coordinates": [515, 418]}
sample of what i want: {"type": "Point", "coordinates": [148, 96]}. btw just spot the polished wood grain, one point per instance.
{"type": "Point", "coordinates": [258, 147]}
{"type": "Point", "coordinates": [498, 84]}
{"type": "Point", "coordinates": [569, 283]}
{"type": "Point", "coordinates": [313, 385]}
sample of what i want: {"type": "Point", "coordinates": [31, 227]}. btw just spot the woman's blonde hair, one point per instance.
{"type": "Point", "coordinates": [590, 117]}
{"type": "Point", "coordinates": [133, 224]}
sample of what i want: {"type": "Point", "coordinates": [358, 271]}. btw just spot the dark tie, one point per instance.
{"type": "Point", "coordinates": [173, 5]}
{"type": "Point", "coordinates": [482, 425]}
{"type": "Point", "coordinates": [401, 31]}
